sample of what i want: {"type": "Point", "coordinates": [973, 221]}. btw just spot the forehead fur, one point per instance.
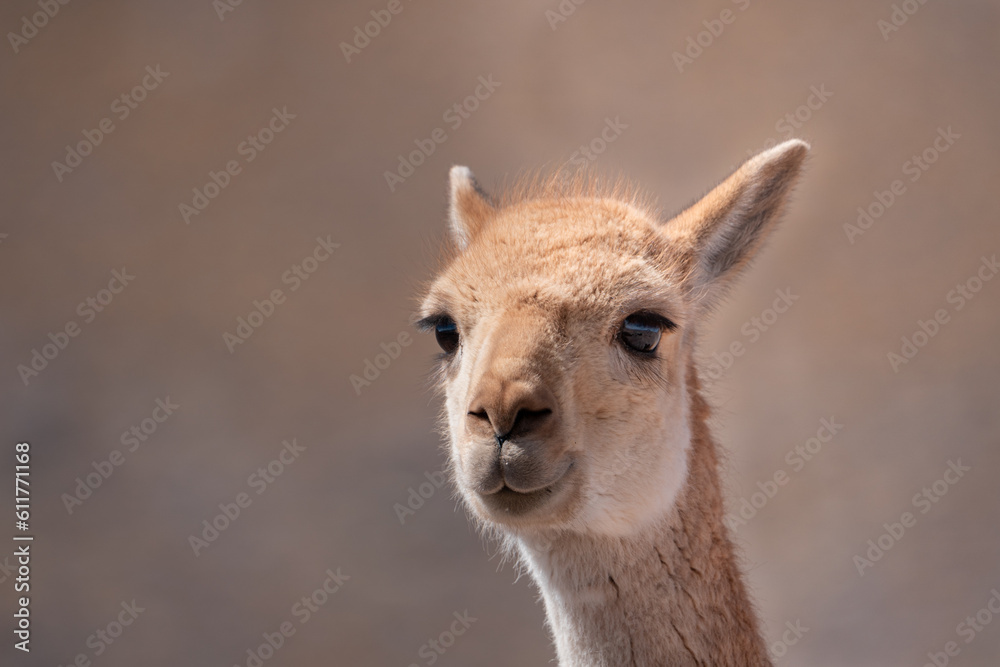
{"type": "Point", "coordinates": [552, 241]}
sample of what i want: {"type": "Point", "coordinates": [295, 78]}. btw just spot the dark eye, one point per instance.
{"type": "Point", "coordinates": [446, 332]}
{"type": "Point", "coordinates": [640, 332]}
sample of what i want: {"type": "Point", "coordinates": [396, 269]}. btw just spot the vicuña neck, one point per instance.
{"type": "Point", "coordinates": [670, 595]}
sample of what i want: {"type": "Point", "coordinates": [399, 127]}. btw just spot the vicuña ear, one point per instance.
{"type": "Point", "coordinates": [469, 207]}
{"type": "Point", "coordinates": [725, 229]}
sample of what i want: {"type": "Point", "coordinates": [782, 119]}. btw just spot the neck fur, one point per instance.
{"type": "Point", "coordinates": [668, 595]}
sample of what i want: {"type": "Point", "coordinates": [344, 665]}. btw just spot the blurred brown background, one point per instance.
{"type": "Point", "coordinates": [877, 97]}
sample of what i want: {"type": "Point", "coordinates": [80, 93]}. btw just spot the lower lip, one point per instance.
{"type": "Point", "coordinates": [514, 503]}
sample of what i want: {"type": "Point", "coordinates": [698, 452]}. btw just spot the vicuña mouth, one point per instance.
{"type": "Point", "coordinates": [513, 502]}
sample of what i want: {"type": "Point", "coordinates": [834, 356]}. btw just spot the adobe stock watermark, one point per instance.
{"type": "Point", "coordinates": [258, 481]}
{"type": "Point", "coordinates": [604, 481]}
{"type": "Point", "coordinates": [104, 637]}
{"type": "Point", "coordinates": [899, 16]}
{"type": "Point", "coordinates": [131, 440]}
{"type": "Point", "coordinates": [593, 149]}
{"type": "Point", "coordinates": [793, 122]}
{"type": "Point", "coordinates": [914, 168]}
{"type": "Point", "coordinates": [8, 570]}
{"type": "Point", "coordinates": [752, 330]}
{"type": "Point", "coordinates": [88, 309]}
{"type": "Point", "coordinates": [122, 107]}
{"type": "Point", "coordinates": [294, 277]}
{"type": "Point", "coordinates": [924, 500]}
{"type": "Point", "coordinates": [454, 116]}
{"type": "Point", "coordinates": [302, 611]}
{"type": "Point", "coordinates": [223, 7]}
{"type": "Point", "coordinates": [968, 629]}
{"type": "Point", "coordinates": [373, 368]}
{"type": "Point", "coordinates": [959, 296]}
{"type": "Point", "coordinates": [417, 497]}
{"type": "Point", "coordinates": [796, 457]}
{"type": "Point", "coordinates": [698, 43]}
{"type": "Point", "coordinates": [381, 18]}
{"type": "Point", "coordinates": [23, 543]}
{"type": "Point", "coordinates": [435, 647]}
{"type": "Point", "coordinates": [792, 635]}
{"type": "Point", "coordinates": [248, 149]}
{"type": "Point", "coordinates": [562, 12]}
{"type": "Point", "coordinates": [31, 25]}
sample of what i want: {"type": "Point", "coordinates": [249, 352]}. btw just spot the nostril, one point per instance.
{"type": "Point", "coordinates": [524, 414]}
{"type": "Point", "coordinates": [527, 420]}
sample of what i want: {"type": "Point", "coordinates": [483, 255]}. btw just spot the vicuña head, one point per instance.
{"type": "Point", "coordinates": [568, 318]}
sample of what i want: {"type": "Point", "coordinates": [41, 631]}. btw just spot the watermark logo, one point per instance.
{"type": "Point", "coordinates": [929, 328]}
{"type": "Point", "coordinates": [132, 439]}
{"type": "Point", "coordinates": [38, 20]}
{"type": "Point", "coordinates": [594, 148]}
{"type": "Point", "coordinates": [968, 629]}
{"type": "Point", "coordinates": [697, 44]}
{"type": "Point", "coordinates": [914, 168]}
{"type": "Point", "coordinates": [793, 633]}
{"type": "Point", "coordinates": [248, 149]}
{"type": "Point", "coordinates": [924, 500]}
{"type": "Point", "coordinates": [752, 330]}
{"type": "Point", "coordinates": [373, 368]}
{"type": "Point", "coordinates": [901, 13]}
{"type": "Point", "coordinates": [223, 7]}
{"type": "Point", "coordinates": [259, 481]}
{"type": "Point", "coordinates": [102, 638]}
{"type": "Point", "coordinates": [797, 458]}
{"type": "Point", "coordinates": [264, 309]}
{"type": "Point", "coordinates": [88, 309]}
{"type": "Point", "coordinates": [562, 12]}
{"type": "Point", "coordinates": [122, 108]}
{"type": "Point", "coordinates": [792, 122]}
{"type": "Point", "coordinates": [302, 610]}
{"type": "Point", "coordinates": [455, 116]}
{"type": "Point", "coordinates": [417, 497]}
{"type": "Point", "coordinates": [435, 647]}
{"type": "Point", "coordinates": [381, 18]}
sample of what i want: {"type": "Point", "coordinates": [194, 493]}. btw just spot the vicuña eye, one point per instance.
{"type": "Point", "coordinates": [641, 331]}
{"type": "Point", "coordinates": [446, 332]}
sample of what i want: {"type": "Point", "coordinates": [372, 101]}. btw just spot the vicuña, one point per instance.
{"type": "Point", "coordinates": [568, 314]}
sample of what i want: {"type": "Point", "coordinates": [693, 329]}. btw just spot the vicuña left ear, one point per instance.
{"type": "Point", "coordinates": [725, 229]}
{"type": "Point", "coordinates": [468, 208]}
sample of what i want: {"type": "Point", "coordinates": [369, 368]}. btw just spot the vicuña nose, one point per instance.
{"type": "Point", "coordinates": [510, 409]}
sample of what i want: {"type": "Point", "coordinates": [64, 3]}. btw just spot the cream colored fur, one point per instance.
{"type": "Point", "coordinates": [593, 461]}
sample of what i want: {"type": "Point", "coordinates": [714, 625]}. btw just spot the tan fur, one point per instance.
{"type": "Point", "coordinates": [594, 463]}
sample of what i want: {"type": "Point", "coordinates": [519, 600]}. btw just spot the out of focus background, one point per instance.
{"type": "Point", "coordinates": [216, 216]}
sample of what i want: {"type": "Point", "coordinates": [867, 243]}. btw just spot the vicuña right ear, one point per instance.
{"type": "Point", "coordinates": [469, 207]}
{"type": "Point", "coordinates": [721, 233]}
